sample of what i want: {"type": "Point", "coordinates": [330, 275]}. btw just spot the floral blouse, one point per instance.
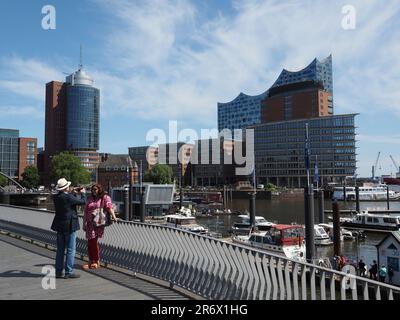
{"type": "Point", "coordinates": [90, 212]}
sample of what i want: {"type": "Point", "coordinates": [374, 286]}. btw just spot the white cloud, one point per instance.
{"type": "Point", "coordinates": [26, 77]}
{"type": "Point", "coordinates": [18, 111]}
{"type": "Point", "coordinates": [174, 65]}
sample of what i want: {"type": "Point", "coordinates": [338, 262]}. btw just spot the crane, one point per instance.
{"type": "Point", "coordinates": [395, 165]}
{"type": "Point", "coordinates": [374, 166]}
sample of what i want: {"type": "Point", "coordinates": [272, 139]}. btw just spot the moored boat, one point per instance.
{"type": "Point", "coordinates": [285, 240]}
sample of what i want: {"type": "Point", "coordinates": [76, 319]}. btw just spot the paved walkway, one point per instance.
{"type": "Point", "coordinates": [21, 277]}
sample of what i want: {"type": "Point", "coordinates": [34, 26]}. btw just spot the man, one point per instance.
{"type": "Point", "coordinates": [361, 268]}
{"type": "Point", "coordinates": [66, 224]}
{"type": "Point", "coordinates": [373, 271]}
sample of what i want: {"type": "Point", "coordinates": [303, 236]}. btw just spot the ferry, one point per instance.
{"type": "Point", "coordinates": [375, 193]}
{"type": "Point", "coordinates": [281, 239]}
{"type": "Point", "coordinates": [373, 222]}
{"type": "Point", "coordinates": [243, 227]}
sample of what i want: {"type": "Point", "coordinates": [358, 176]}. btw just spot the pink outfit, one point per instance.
{"type": "Point", "coordinates": [90, 212]}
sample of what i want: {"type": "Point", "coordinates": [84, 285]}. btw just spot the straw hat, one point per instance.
{"type": "Point", "coordinates": [62, 184]}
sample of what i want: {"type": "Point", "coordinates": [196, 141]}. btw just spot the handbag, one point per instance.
{"type": "Point", "coordinates": [102, 217]}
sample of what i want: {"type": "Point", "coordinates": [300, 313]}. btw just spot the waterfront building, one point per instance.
{"type": "Point", "coordinates": [241, 112]}
{"type": "Point", "coordinates": [72, 120]}
{"type": "Point", "coordinates": [280, 150]}
{"type": "Point", "coordinates": [114, 170]}
{"type": "Point", "coordinates": [16, 153]}
{"type": "Point", "coordinates": [145, 155]}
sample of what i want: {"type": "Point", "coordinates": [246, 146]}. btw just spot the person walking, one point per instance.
{"type": "Point", "coordinates": [95, 230]}
{"type": "Point", "coordinates": [66, 223]}
{"type": "Point", "coordinates": [361, 268]}
{"type": "Point", "coordinates": [373, 271]}
{"type": "Point", "coordinates": [382, 273]}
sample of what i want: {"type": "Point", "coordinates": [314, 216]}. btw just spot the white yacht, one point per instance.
{"type": "Point", "coordinates": [321, 238]}
{"type": "Point", "coordinates": [373, 222]}
{"type": "Point", "coordinates": [372, 193]}
{"type": "Point", "coordinates": [344, 233]}
{"type": "Point", "coordinates": [243, 227]}
{"type": "Point", "coordinates": [285, 240]}
{"type": "Point", "coordinates": [184, 220]}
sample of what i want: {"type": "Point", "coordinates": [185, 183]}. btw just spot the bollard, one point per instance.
{"type": "Point", "coordinates": [252, 206]}
{"type": "Point", "coordinates": [336, 228]}
{"type": "Point", "coordinates": [357, 199]}
{"type": "Point", "coordinates": [126, 203]}
{"type": "Point", "coordinates": [387, 198]}
{"type": "Point", "coordinates": [309, 223]}
{"type": "Point", "coordinates": [344, 194]}
{"type": "Point", "coordinates": [142, 206]}
{"type": "Point", "coordinates": [321, 206]}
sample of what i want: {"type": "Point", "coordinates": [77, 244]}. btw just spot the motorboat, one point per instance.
{"type": "Point", "coordinates": [373, 222]}
{"type": "Point", "coordinates": [321, 237]}
{"type": "Point", "coordinates": [243, 227]}
{"type": "Point", "coordinates": [184, 220]}
{"type": "Point", "coordinates": [371, 193]}
{"type": "Point", "coordinates": [281, 239]}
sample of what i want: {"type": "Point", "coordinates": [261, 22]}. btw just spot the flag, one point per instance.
{"type": "Point", "coordinates": [316, 173]}
{"type": "Point", "coordinates": [307, 150]}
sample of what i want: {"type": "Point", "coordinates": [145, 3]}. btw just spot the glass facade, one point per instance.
{"type": "Point", "coordinates": [83, 117]}
{"type": "Point", "coordinates": [241, 112]}
{"type": "Point", "coordinates": [9, 152]}
{"type": "Point", "coordinates": [316, 70]}
{"type": "Point", "coordinates": [280, 150]}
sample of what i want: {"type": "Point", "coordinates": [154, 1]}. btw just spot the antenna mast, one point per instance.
{"type": "Point", "coordinates": [81, 58]}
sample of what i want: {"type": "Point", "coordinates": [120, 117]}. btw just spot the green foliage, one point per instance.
{"type": "Point", "coordinates": [159, 174]}
{"type": "Point", "coordinates": [270, 187]}
{"type": "Point", "coordinates": [66, 165]}
{"type": "Point", "coordinates": [3, 181]}
{"type": "Point", "coordinates": [30, 177]}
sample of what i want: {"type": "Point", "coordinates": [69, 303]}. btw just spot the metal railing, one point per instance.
{"type": "Point", "coordinates": [209, 267]}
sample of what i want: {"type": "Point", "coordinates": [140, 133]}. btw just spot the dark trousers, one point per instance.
{"type": "Point", "coordinates": [93, 250]}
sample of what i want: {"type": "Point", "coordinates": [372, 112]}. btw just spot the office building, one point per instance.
{"type": "Point", "coordinates": [280, 150]}
{"type": "Point", "coordinates": [72, 121]}
{"type": "Point", "coordinates": [16, 153]}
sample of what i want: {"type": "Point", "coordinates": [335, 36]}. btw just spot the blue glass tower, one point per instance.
{"type": "Point", "coordinates": [82, 120]}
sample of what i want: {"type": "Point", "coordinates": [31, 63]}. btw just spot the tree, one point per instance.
{"type": "Point", "coordinates": [270, 187]}
{"type": "Point", "coordinates": [159, 174]}
{"type": "Point", "coordinates": [30, 177]}
{"type": "Point", "coordinates": [3, 181]}
{"type": "Point", "coordinates": [66, 165]}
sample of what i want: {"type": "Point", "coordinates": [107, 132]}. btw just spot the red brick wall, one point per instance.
{"type": "Point", "coordinates": [23, 153]}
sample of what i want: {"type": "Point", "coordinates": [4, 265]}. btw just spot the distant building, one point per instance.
{"type": "Point", "coordinates": [72, 121]}
{"type": "Point", "coordinates": [145, 155]}
{"type": "Point", "coordinates": [280, 150]}
{"type": "Point", "coordinates": [241, 112]}
{"type": "Point", "coordinates": [296, 101]}
{"type": "Point", "coordinates": [389, 254]}
{"type": "Point", "coordinates": [16, 153]}
{"type": "Point", "coordinates": [294, 95]}
{"type": "Point", "coordinates": [114, 170]}
{"type": "Point", "coordinates": [28, 154]}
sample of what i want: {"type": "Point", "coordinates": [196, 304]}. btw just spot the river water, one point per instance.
{"type": "Point", "coordinates": [288, 211]}
{"type": "Point", "coordinates": [292, 210]}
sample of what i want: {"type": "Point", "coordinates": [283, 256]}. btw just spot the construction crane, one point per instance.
{"type": "Point", "coordinates": [396, 166]}
{"type": "Point", "coordinates": [374, 167]}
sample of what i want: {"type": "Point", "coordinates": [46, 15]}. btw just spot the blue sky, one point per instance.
{"type": "Point", "coordinates": [159, 60]}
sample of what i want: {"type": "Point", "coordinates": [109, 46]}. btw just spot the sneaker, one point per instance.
{"type": "Point", "coordinates": [72, 276]}
{"type": "Point", "coordinates": [59, 276]}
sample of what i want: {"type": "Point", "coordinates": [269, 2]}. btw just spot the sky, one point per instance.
{"type": "Point", "coordinates": [161, 60]}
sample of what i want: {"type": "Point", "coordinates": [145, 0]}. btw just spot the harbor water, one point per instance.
{"type": "Point", "coordinates": [289, 211]}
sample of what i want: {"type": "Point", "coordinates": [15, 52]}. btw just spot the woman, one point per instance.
{"type": "Point", "coordinates": [96, 201]}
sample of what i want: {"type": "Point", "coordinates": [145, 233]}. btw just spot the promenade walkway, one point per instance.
{"type": "Point", "coordinates": [21, 277]}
